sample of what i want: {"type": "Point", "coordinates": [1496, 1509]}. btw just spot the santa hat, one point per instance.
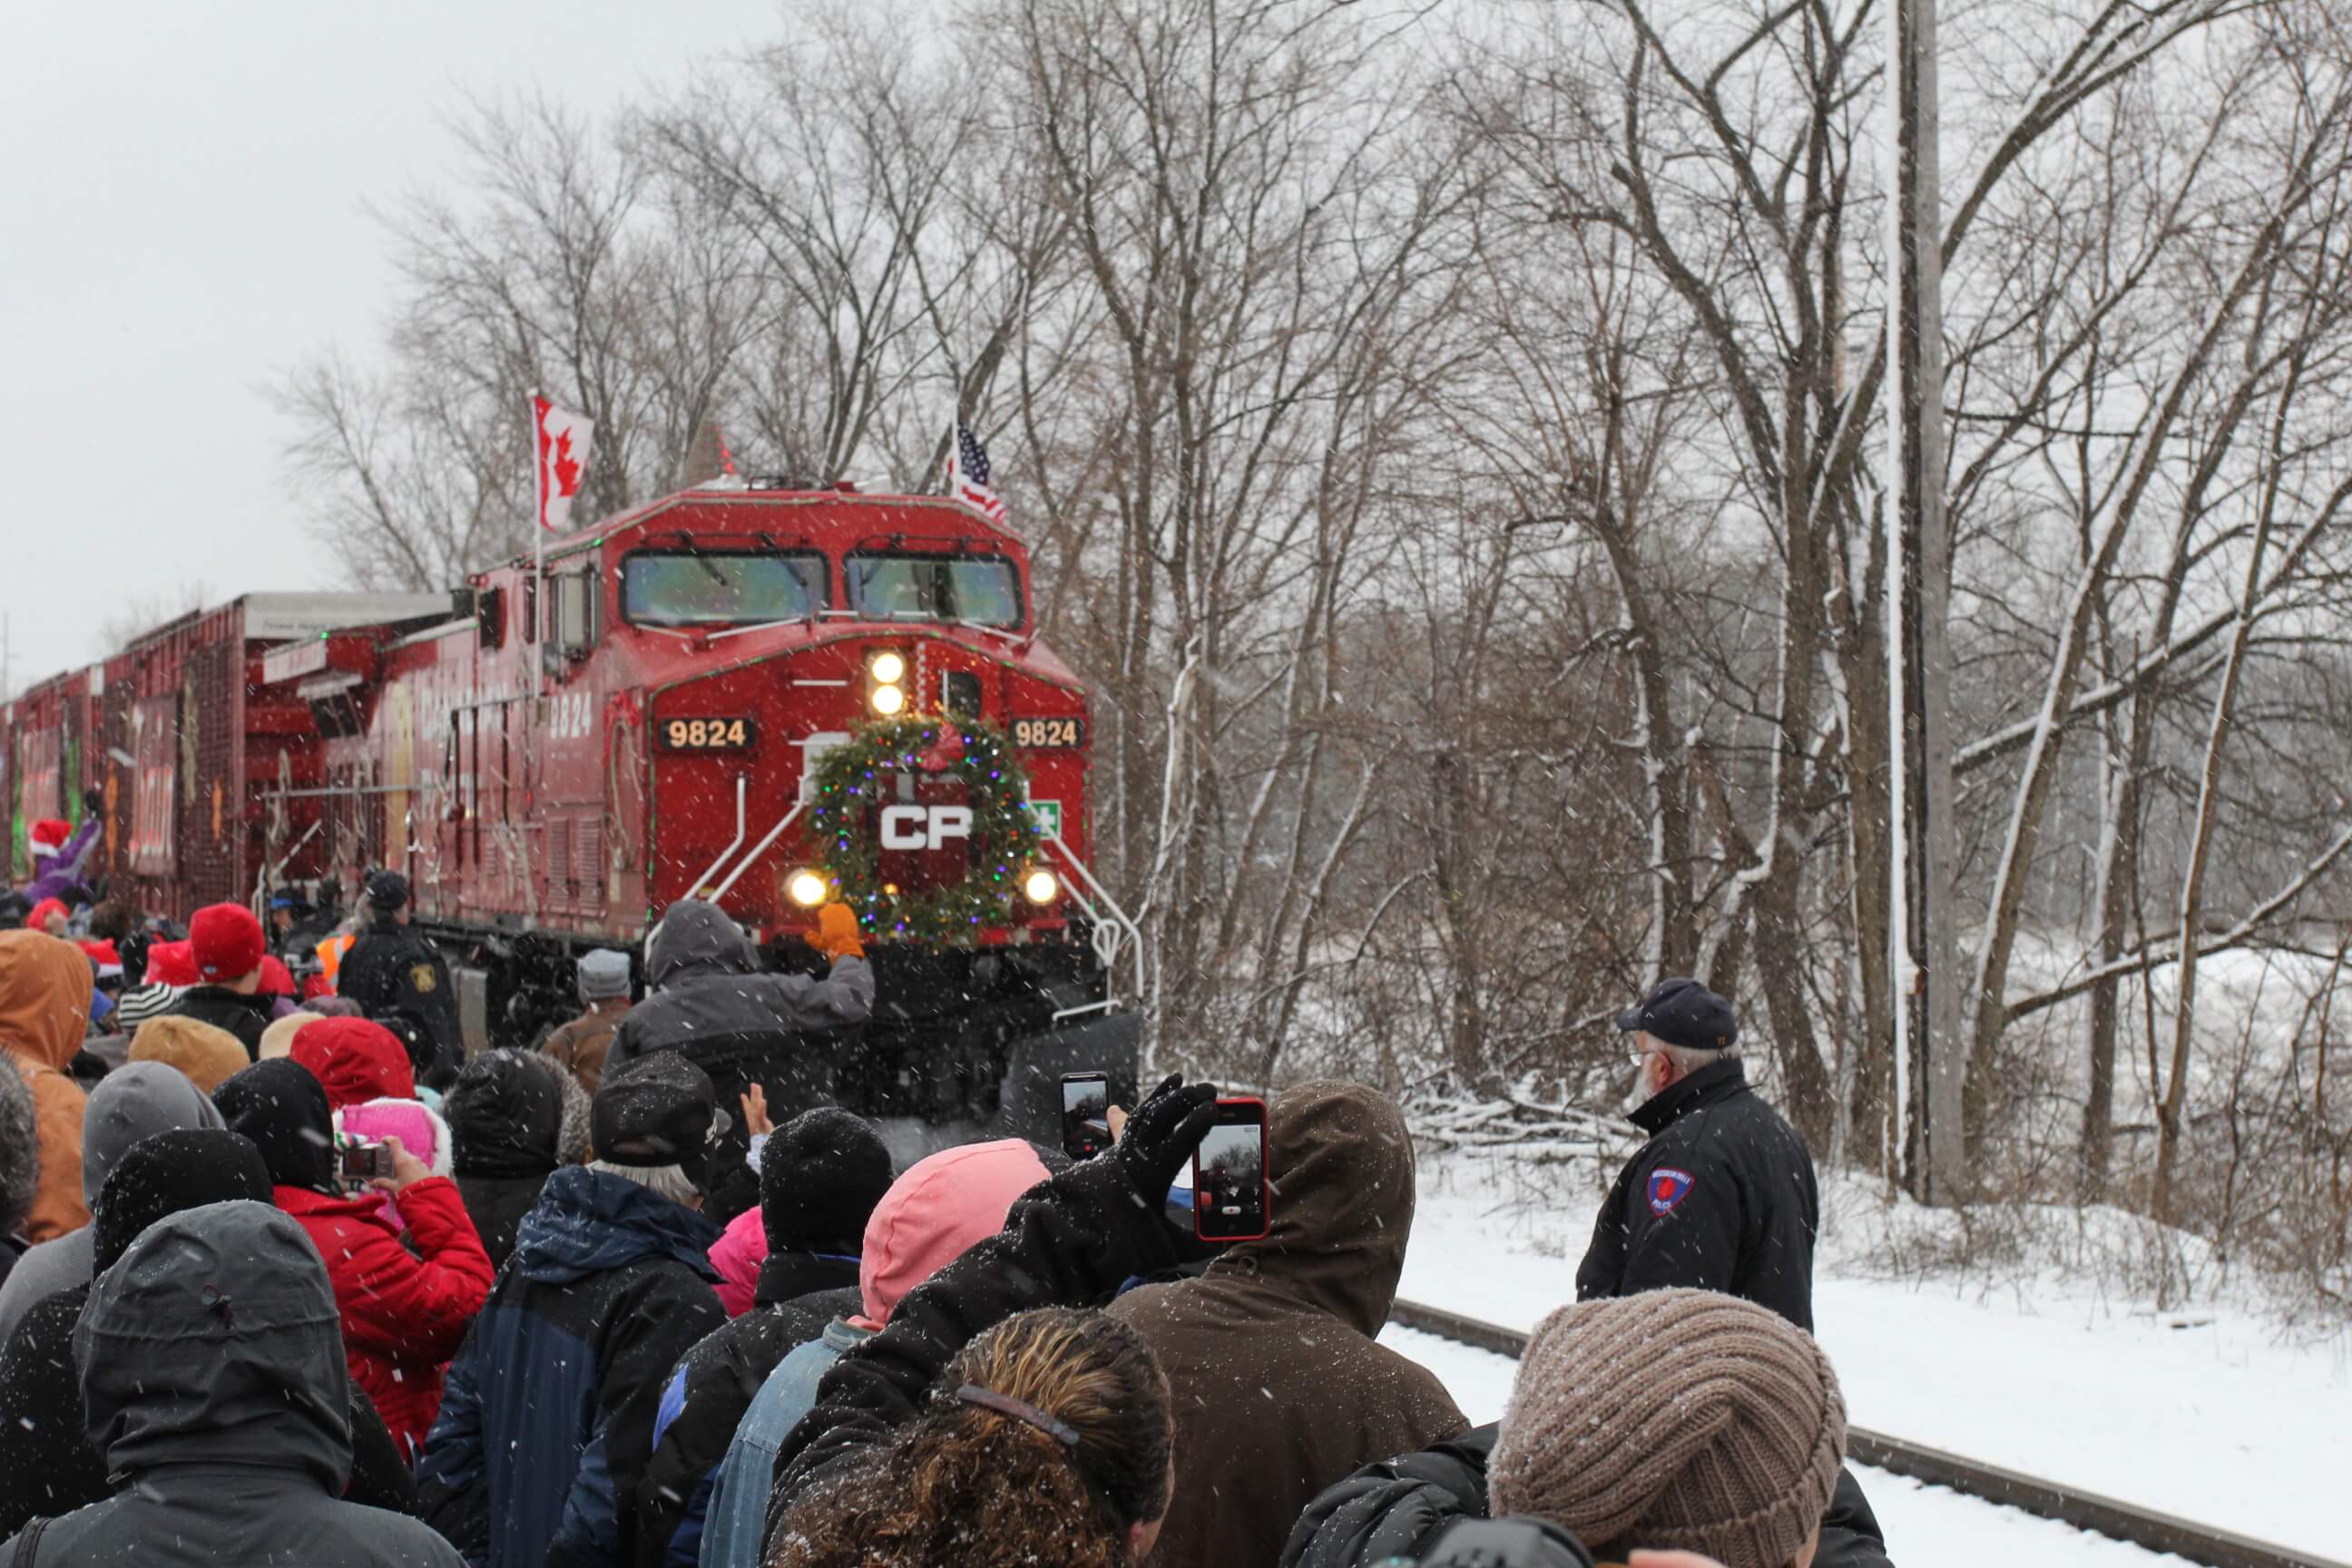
{"type": "Point", "coordinates": [102, 954]}
{"type": "Point", "coordinates": [37, 918]}
{"type": "Point", "coordinates": [47, 838]}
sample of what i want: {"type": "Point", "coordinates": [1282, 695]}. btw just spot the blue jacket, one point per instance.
{"type": "Point", "coordinates": [547, 1413]}
{"type": "Point", "coordinates": [738, 1517]}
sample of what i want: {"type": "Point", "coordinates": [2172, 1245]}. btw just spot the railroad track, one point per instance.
{"type": "Point", "coordinates": [1972, 1477]}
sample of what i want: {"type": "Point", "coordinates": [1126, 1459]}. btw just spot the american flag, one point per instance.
{"type": "Point", "coordinates": [968, 475]}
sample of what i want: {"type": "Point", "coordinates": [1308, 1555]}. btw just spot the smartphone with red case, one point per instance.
{"type": "Point", "coordinates": [1230, 1199]}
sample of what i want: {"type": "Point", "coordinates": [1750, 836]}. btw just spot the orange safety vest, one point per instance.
{"type": "Point", "coordinates": [331, 956]}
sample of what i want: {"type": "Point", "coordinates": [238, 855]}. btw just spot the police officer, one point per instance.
{"type": "Point", "coordinates": [400, 980]}
{"type": "Point", "coordinates": [1722, 1196]}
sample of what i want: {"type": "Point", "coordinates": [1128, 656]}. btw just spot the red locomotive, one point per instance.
{"type": "Point", "coordinates": [556, 753]}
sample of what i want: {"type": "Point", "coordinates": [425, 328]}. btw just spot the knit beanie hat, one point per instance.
{"type": "Point", "coordinates": [820, 1176]}
{"type": "Point", "coordinates": [1673, 1418]}
{"type": "Point", "coordinates": [656, 1110]}
{"type": "Point", "coordinates": [604, 976]}
{"type": "Point", "coordinates": [227, 942]}
{"type": "Point", "coordinates": [207, 1053]}
{"type": "Point", "coordinates": [164, 1172]}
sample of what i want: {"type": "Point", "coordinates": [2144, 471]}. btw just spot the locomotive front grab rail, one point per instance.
{"type": "Point", "coordinates": [742, 784]}
{"type": "Point", "coordinates": [757, 850]}
{"type": "Point", "coordinates": [1110, 935]}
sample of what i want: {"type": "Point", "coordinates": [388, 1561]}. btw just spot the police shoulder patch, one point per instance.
{"type": "Point", "coordinates": [1668, 1187]}
{"type": "Point", "coordinates": [421, 977]}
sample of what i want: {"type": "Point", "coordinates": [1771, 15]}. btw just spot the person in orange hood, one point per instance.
{"type": "Point", "coordinates": [45, 986]}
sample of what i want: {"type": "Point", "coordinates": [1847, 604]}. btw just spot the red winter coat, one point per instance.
{"type": "Point", "coordinates": [403, 1315]}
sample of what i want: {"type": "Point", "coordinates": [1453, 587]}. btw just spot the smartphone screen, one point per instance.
{"type": "Point", "coordinates": [1228, 1191]}
{"type": "Point", "coordinates": [1085, 1114]}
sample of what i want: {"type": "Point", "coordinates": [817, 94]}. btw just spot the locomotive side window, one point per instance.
{"type": "Point", "coordinates": [722, 589]}
{"type": "Point", "coordinates": [982, 589]}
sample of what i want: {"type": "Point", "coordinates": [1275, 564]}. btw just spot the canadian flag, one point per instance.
{"type": "Point", "coordinates": [565, 440]}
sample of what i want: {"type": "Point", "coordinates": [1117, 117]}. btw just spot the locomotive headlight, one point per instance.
{"type": "Point", "coordinates": [1039, 887]}
{"type": "Point", "coordinates": [888, 668]}
{"type": "Point", "coordinates": [888, 700]}
{"type": "Point", "coordinates": [808, 889]}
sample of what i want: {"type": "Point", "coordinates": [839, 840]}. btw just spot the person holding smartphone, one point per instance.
{"type": "Point", "coordinates": [1279, 1390]}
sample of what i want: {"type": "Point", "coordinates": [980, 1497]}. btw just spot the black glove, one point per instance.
{"type": "Point", "coordinates": [93, 800]}
{"type": "Point", "coordinates": [1162, 1133]}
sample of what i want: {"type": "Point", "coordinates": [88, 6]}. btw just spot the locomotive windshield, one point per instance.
{"type": "Point", "coordinates": [736, 588]}
{"type": "Point", "coordinates": [984, 590]}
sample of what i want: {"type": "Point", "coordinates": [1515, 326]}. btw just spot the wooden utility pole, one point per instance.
{"type": "Point", "coordinates": [1930, 1054]}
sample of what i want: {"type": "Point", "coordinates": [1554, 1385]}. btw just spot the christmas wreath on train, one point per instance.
{"type": "Point", "coordinates": [858, 779]}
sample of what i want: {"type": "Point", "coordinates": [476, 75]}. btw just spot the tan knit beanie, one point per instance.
{"type": "Point", "coordinates": [1673, 1418]}
{"type": "Point", "coordinates": [208, 1054]}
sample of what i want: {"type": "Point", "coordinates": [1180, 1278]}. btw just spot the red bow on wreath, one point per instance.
{"type": "Point", "coordinates": [943, 753]}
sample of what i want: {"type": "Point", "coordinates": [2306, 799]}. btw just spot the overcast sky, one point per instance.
{"type": "Point", "coordinates": [183, 216]}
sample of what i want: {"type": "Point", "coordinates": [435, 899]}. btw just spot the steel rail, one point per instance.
{"type": "Point", "coordinates": [2162, 1533]}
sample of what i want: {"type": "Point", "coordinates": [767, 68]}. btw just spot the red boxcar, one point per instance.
{"type": "Point", "coordinates": [193, 753]}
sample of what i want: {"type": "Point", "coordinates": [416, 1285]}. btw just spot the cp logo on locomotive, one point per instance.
{"type": "Point", "coordinates": [924, 827]}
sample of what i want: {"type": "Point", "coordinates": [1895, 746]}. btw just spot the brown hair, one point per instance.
{"type": "Point", "coordinates": [968, 1484]}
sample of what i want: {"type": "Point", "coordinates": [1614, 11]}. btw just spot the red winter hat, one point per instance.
{"type": "Point", "coordinates": [102, 954]}
{"type": "Point", "coordinates": [172, 964]}
{"type": "Point", "coordinates": [38, 917]}
{"type": "Point", "coordinates": [227, 942]}
{"type": "Point", "coordinates": [356, 1060]}
{"type": "Point", "coordinates": [48, 836]}
{"type": "Point", "coordinates": [277, 980]}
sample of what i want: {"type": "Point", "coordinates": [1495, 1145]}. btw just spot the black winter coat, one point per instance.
{"type": "Point", "coordinates": [799, 1293]}
{"type": "Point", "coordinates": [1721, 1198]}
{"type": "Point", "coordinates": [215, 1382]}
{"type": "Point", "coordinates": [497, 1206]}
{"type": "Point", "coordinates": [1395, 1508]}
{"type": "Point", "coordinates": [506, 1131]}
{"type": "Point", "coordinates": [393, 973]}
{"type": "Point", "coordinates": [245, 1016]}
{"type": "Point", "coordinates": [47, 1467]}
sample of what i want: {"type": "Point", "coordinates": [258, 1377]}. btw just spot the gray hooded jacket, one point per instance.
{"type": "Point", "coordinates": [212, 1363]}
{"type": "Point", "coordinates": [137, 1102]}
{"type": "Point", "coordinates": [709, 1002]}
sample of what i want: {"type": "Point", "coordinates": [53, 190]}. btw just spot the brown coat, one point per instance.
{"type": "Point", "coordinates": [45, 986]}
{"type": "Point", "coordinates": [1279, 1390]}
{"type": "Point", "coordinates": [579, 1047]}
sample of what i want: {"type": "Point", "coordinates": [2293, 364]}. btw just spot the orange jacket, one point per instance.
{"type": "Point", "coordinates": [45, 986]}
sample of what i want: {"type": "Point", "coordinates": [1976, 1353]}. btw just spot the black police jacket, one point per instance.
{"type": "Point", "coordinates": [394, 969]}
{"type": "Point", "coordinates": [1722, 1197]}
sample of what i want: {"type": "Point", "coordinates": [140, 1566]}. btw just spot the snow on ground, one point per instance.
{"type": "Point", "coordinates": [2220, 1421]}
{"type": "Point", "coordinates": [1926, 1527]}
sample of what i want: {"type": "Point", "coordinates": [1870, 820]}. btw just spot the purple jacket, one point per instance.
{"type": "Point", "coordinates": [64, 871]}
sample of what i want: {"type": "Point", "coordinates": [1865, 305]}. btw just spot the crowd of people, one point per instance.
{"type": "Point", "coordinates": [289, 1278]}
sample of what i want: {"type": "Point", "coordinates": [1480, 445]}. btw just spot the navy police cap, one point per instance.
{"type": "Point", "coordinates": [1682, 1012]}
